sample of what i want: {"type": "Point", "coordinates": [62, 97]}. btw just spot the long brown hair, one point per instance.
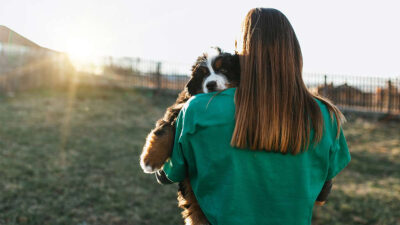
{"type": "Point", "coordinates": [274, 109]}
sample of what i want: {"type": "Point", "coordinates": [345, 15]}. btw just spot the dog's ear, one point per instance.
{"type": "Point", "coordinates": [235, 65]}
{"type": "Point", "coordinates": [235, 62]}
{"type": "Point", "coordinates": [218, 49]}
{"type": "Point", "coordinates": [196, 80]}
{"type": "Point", "coordinates": [191, 87]}
{"type": "Point", "coordinates": [230, 61]}
{"type": "Point", "coordinates": [235, 59]}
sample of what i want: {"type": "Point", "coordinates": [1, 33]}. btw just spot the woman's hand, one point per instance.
{"type": "Point", "coordinates": [319, 203]}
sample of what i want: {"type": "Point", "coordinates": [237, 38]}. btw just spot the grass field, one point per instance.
{"type": "Point", "coordinates": [72, 158]}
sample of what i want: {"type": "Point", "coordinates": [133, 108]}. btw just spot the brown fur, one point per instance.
{"type": "Point", "coordinates": [158, 147]}
{"type": "Point", "coordinates": [160, 140]}
{"type": "Point", "coordinates": [218, 63]}
{"type": "Point", "coordinates": [192, 212]}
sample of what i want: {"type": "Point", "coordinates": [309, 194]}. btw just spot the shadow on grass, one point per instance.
{"type": "Point", "coordinates": [373, 165]}
{"type": "Point", "coordinates": [351, 208]}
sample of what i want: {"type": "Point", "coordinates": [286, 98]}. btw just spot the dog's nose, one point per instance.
{"type": "Point", "coordinates": [211, 86]}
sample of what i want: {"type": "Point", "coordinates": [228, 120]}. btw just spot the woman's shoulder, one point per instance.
{"type": "Point", "coordinates": [329, 118]}
{"type": "Point", "coordinates": [214, 107]}
{"type": "Point", "coordinates": [208, 101]}
{"type": "Point", "coordinates": [322, 106]}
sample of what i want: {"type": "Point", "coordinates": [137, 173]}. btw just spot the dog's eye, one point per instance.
{"type": "Point", "coordinates": [224, 71]}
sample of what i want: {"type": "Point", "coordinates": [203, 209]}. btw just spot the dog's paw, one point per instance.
{"type": "Point", "coordinates": [189, 221]}
{"type": "Point", "coordinates": [148, 167]}
{"type": "Point", "coordinates": [156, 151]}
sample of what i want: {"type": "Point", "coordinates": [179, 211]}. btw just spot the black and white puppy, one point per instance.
{"type": "Point", "coordinates": [213, 71]}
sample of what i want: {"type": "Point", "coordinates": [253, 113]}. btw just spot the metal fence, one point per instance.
{"type": "Point", "coordinates": [368, 94]}
{"type": "Point", "coordinates": [21, 70]}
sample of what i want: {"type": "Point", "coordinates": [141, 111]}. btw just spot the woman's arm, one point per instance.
{"type": "Point", "coordinates": [339, 158]}
{"type": "Point", "coordinates": [323, 195]}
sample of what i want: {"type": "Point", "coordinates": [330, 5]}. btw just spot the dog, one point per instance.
{"type": "Point", "coordinates": [213, 71]}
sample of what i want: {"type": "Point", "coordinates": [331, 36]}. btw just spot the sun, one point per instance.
{"type": "Point", "coordinates": [83, 57]}
{"type": "Point", "coordinates": [80, 50]}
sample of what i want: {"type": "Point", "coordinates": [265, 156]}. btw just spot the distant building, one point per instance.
{"type": "Point", "coordinates": [345, 94]}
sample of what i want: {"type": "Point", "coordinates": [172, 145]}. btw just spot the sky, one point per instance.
{"type": "Point", "coordinates": [351, 37]}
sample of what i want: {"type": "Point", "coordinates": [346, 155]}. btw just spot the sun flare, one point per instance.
{"type": "Point", "coordinates": [80, 50]}
{"type": "Point", "coordinates": [83, 56]}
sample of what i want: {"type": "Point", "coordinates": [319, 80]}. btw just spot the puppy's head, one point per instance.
{"type": "Point", "coordinates": [214, 71]}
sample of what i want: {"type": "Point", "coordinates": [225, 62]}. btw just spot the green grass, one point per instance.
{"type": "Point", "coordinates": [368, 190]}
{"type": "Point", "coordinates": [72, 158]}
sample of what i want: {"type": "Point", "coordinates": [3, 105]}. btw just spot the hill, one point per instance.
{"type": "Point", "coordinates": [11, 37]}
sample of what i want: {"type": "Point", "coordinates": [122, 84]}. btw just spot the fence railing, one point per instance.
{"type": "Point", "coordinates": [32, 69]}
{"type": "Point", "coordinates": [374, 94]}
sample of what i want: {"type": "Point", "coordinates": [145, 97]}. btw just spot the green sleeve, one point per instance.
{"type": "Point", "coordinates": [339, 156]}
{"type": "Point", "coordinates": [175, 167]}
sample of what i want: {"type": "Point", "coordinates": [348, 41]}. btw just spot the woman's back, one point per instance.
{"type": "Point", "coordinates": [242, 186]}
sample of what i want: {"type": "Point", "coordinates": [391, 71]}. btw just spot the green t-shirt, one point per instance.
{"type": "Point", "coordinates": [240, 186]}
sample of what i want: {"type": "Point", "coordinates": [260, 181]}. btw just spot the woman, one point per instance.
{"type": "Point", "coordinates": [260, 153]}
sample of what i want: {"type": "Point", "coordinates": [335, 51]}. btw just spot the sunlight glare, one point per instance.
{"type": "Point", "coordinates": [80, 50]}
{"type": "Point", "coordinates": [83, 56]}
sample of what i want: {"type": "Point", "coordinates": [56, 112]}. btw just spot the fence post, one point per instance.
{"type": "Point", "coordinates": [389, 110]}
{"type": "Point", "coordinates": [158, 77]}
{"type": "Point", "coordinates": [325, 86]}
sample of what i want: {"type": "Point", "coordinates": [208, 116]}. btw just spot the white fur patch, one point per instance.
{"type": "Point", "coordinates": [188, 221]}
{"type": "Point", "coordinates": [147, 168]}
{"type": "Point", "coordinates": [219, 78]}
